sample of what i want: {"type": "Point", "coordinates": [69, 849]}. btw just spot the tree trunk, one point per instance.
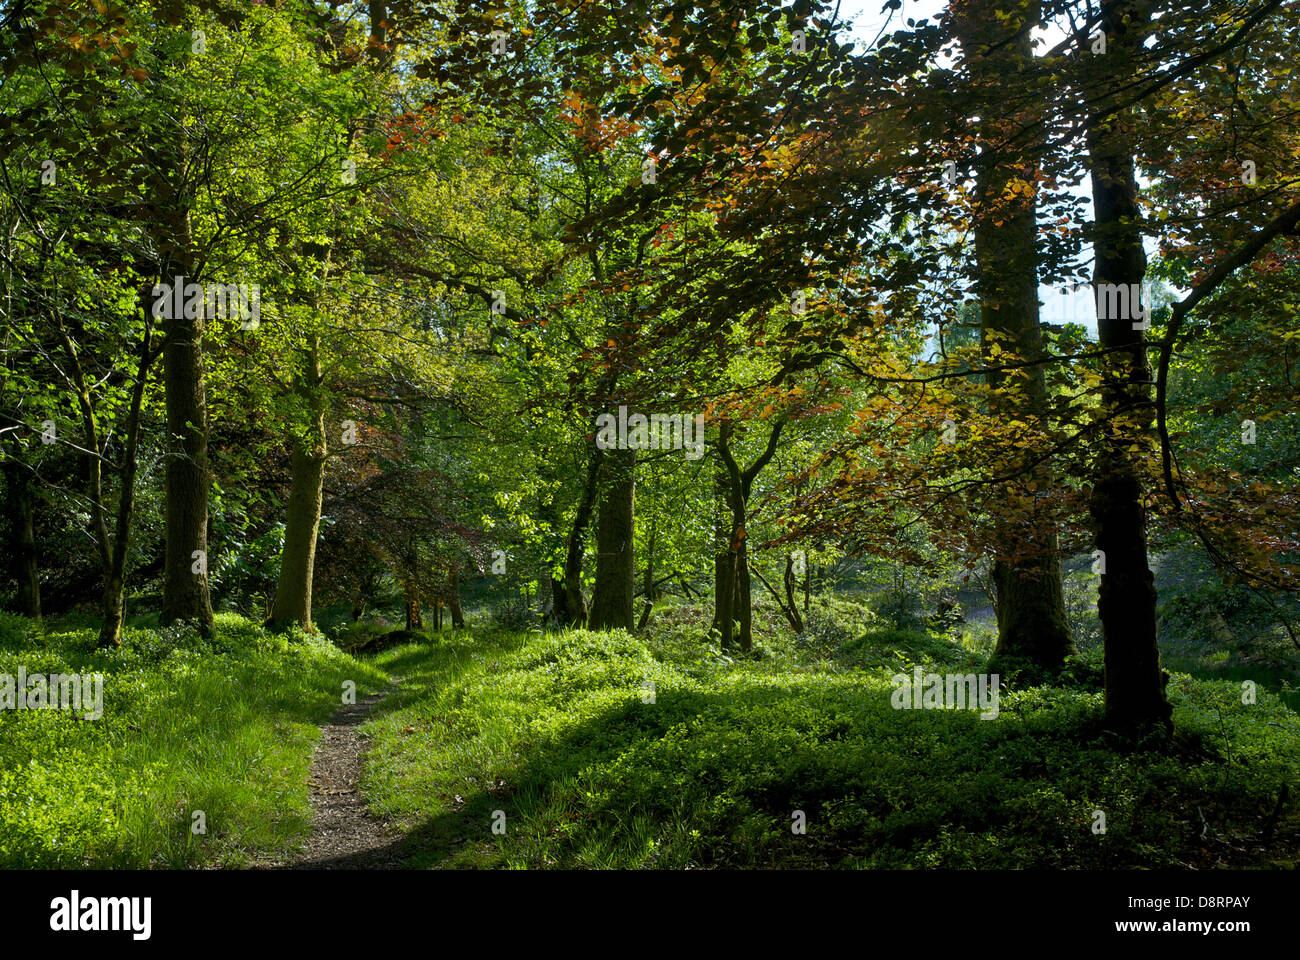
{"type": "Point", "coordinates": [1032, 624]}
{"type": "Point", "coordinates": [302, 524]}
{"type": "Point", "coordinates": [378, 15]}
{"type": "Point", "coordinates": [738, 484]}
{"type": "Point", "coordinates": [573, 612]}
{"type": "Point", "coordinates": [20, 505]}
{"type": "Point", "coordinates": [559, 601]}
{"type": "Point", "coordinates": [293, 592]}
{"type": "Point", "coordinates": [742, 603]}
{"type": "Point", "coordinates": [736, 611]}
{"type": "Point", "coordinates": [611, 601]}
{"type": "Point", "coordinates": [113, 607]}
{"type": "Point", "coordinates": [788, 610]}
{"type": "Point", "coordinates": [453, 601]}
{"type": "Point", "coordinates": [722, 569]}
{"type": "Point", "coordinates": [724, 598]}
{"type": "Point", "coordinates": [1030, 609]}
{"type": "Point", "coordinates": [186, 476]}
{"type": "Point", "coordinates": [648, 590]}
{"type": "Point", "coordinates": [414, 616]}
{"type": "Point", "coordinates": [795, 620]}
{"type": "Point", "coordinates": [1126, 600]}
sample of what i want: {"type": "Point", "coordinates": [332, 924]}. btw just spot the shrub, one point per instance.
{"type": "Point", "coordinates": [902, 605]}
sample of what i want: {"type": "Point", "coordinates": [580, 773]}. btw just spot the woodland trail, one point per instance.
{"type": "Point", "coordinates": [345, 835]}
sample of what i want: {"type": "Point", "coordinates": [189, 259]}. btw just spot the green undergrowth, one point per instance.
{"type": "Point", "coordinates": [225, 727]}
{"type": "Point", "coordinates": [611, 751]}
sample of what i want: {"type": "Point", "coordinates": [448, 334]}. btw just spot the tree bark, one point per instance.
{"type": "Point", "coordinates": [378, 15]}
{"type": "Point", "coordinates": [724, 598]}
{"type": "Point", "coordinates": [1126, 599]}
{"type": "Point", "coordinates": [611, 601]}
{"type": "Point", "coordinates": [186, 476]}
{"type": "Point", "coordinates": [559, 601]}
{"type": "Point", "coordinates": [293, 590]}
{"type": "Point", "coordinates": [734, 597]}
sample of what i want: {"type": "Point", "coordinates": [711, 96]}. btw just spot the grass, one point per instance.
{"type": "Point", "coordinates": [558, 733]}
{"type": "Point", "coordinates": [605, 750]}
{"type": "Point", "coordinates": [226, 727]}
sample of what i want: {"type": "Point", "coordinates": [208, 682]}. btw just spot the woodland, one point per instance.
{"type": "Point", "coordinates": [792, 434]}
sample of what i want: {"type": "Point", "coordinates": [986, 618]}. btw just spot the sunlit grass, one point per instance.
{"type": "Point", "coordinates": [226, 728]}
{"type": "Point", "coordinates": [555, 731]}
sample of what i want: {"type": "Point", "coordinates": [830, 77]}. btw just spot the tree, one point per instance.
{"type": "Point", "coordinates": [1026, 571]}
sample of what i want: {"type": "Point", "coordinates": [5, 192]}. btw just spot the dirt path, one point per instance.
{"type": "Point", "coordinates": [345, 835]}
